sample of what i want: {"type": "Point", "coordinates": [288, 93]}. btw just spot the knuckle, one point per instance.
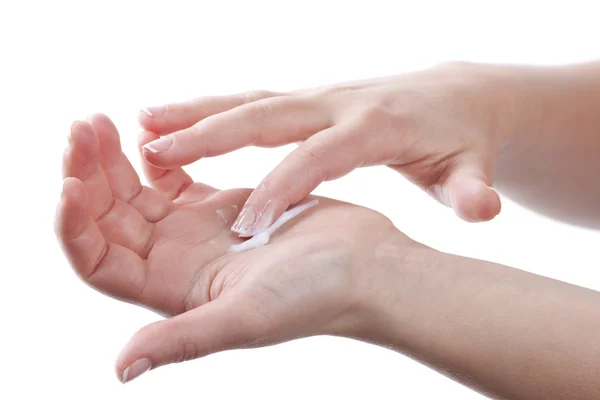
{"type": "Point", "coordinates": [186, 349]}
{"type": "Point", "coordinates": [383, 119]}
{"type": "Point", "coordinates": [260, 110]}
{"type": "Point", "coordinates": [266, 108]}
{"type": "Point", "coordinates": [387, 133]}
{"type": "Point", "coordinates": [254, 95]}
{"type": "Point", "coordinates": [194, 130]}
{"type": "Point", "coordinates": [453, 65]}
{"type": "Point", "coordinates": [373, 114]}
{"type": "Point", "coordinates": [310, 155]}
{"type": "Point", "coordinates": [266, 185]}
{"type": "Point", "coordinates": [330, 91]}
{"type": "Point", "coordinates": [197, 136]}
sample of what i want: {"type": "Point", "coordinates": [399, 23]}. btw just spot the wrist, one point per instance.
{"type": "Point", "coordinates": [490, 92]}
{"type": "Point", "coordinates": [546, 102]}
{"type": "Point", "coordinates": [387, 290]}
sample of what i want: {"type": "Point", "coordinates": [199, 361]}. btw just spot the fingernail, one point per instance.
{"type": "Point", "coordinates": [136, 369]}
{"type": "Point", "coordinates": [159, 145]}
{"type": "Point", "coordinates": [265, 217]}
{"type": "Point", "coordinates": [245, 221]}
{"type": "Point", "coordinates": [497, 196]}
{"type": "Point", "coordinates": [156, 111]}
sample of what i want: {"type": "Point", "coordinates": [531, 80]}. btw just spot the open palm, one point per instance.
{"type": "Point", "coordinates": [165, 248]}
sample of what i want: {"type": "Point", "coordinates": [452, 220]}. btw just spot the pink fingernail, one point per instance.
{"type": "Point", "coordinates": [156, 111]}
{"type": "Point", "coordinates": [250, 223]}
{"type": "Point", "coordinates": [136, 369]}
{"type": "Point", "coordinates": [265, 217]}
{"type": "Point", "coordinates": [159, 145]}
{"type": "Point", "coordinates": [245, 221]}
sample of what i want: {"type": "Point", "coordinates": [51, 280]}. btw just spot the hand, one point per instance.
{"type": "Point", "coordinates": [166, 249]}
{"type": "Point", "coordinates": [441, 128]}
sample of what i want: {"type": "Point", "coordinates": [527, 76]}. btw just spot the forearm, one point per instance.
{"type": "Point", "coordinates": [501, 331]}
{"type": "Point", "coordinates": [551, 159]}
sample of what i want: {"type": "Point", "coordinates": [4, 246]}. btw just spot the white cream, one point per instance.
{"type": "Point", "coordinates": [262, 238]}
{"type": "Point", "coordinates": [222, 216]}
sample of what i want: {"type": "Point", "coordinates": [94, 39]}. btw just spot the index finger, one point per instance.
{"type": "Point", "coordinates": [173, 117]}
{"type": "Point", "coordinates": [269, 122]}
{"type": "Point", "coordinates": [328, 155]}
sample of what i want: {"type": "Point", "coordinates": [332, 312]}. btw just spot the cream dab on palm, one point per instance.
{"type": "Point", "coordinates": [262, 238]}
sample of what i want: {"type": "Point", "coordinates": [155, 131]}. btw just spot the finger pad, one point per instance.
{"type": "Point", "coordinates": [74, 209]}
{"type": "Point", "coordinates": [108, 138]}
{"type": "Point", "coordinates": [82, 154]}
{"type": "Point", "coordinates": [480, 205]}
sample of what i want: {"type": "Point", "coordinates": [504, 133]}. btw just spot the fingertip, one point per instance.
{"type": "Point", "coordinates": [146, 137]}
{"type": "Point", "coordinates": [154, 118]}
{"type": "Point", "coordinates": [259, 213]}
{"type": "Point", "coordinates": [495, 203]}
{"type": "Point", "coordinates": [145, 118]}
{"type": "Point", "coordinates": [74, 190]}
{"type": "Point", "coordinates": [68, 182]}
{"type": "Point", "coordinates": [144, 111]}
{"type": "Point", "coordinates": [81, 155]}
{"type": "Point", "coordinates": [147, 349]}
{"type": "Point", "coordinates": [82, 132]}
{"type": "Point", "coordinates": [79, 127]}
{"type": "Point", "coordinates": [127, 357]}
{"type": "Point", "coordinates": [108, 139]}
{"type": "Point", "coordinates": [152, 158]}
{"type": "Point", "coordinates": [134, 370]}
{"type": "Point", "coordinates": [148, 156]}
{"type": "Point", "coordinates": [103, 125]}
{"type": "Point", "coordinates": [97, 117]}
{"type": "Point", "coordinates": [154, 173]}
{"type": "Point", "coordinates": [476, 202]}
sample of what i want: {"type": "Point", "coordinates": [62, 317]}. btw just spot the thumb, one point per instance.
{"type": "Point", "coordinates": [467, 190]}
{"type": "Point", "coordinates": [213, 327]}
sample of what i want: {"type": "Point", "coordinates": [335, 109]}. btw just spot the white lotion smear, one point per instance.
{"type": "Point", "coordinates": [222, 215]}
{"type": "Point", "coordinates": [262, 238]}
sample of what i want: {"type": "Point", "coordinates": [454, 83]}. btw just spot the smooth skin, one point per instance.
{"type": "Point", "coordinates": [166, 249]}
{"type": "Point", "coordinates": [455, 130]}
{"type": "Point", "coordinates": [504, 332]}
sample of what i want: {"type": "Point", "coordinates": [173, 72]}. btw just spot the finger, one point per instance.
{"type": "Point", "coordinates": [119, 222]}
{"type": "Point", "coordinates": [269, 122]}
{"type": "Point", "coordinates": [110, 268]}
{"type": "Point", "coordinates": [175, 183]}
{"type": "Point", "coordinates": [81, 161]}
{"type": "Point", "coordinates": [174, 117]}
{"type": "Point", "coordinates": [327, 155]}
{"type": "Point", "coordinates": [213, 327]}
{"type": "Point", "coordinates": [468, 190]}
{"type": "Point", "coordinates": [122, 178]}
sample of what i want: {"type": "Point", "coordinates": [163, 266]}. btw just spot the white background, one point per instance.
{"type": "Point", "coordinates": [64, 60]}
